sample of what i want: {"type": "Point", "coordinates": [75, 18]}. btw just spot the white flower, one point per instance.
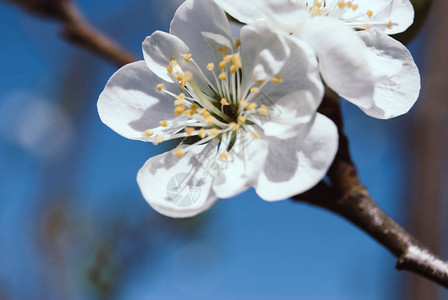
{"type": "Point", "coordinates": [357, 59]}
{"type": "Point", "coordinates": [245, 112]}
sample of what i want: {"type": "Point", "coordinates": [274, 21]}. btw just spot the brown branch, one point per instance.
{"type": "Point", "coordinates": [76, 30]}
{"type": "Point", "coordinates": [349, 199]}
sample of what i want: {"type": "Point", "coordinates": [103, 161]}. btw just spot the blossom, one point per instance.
{"type": "Point", "coordinates": [357, 58]}
{"type": "Point", "coordinates": [244, 111]}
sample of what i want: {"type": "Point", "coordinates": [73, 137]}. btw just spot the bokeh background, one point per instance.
{"type": "Point", "coordinates": [73, 224]}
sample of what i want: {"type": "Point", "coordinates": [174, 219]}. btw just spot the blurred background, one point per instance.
{"type": "Point", "coordinates": [73, 224]}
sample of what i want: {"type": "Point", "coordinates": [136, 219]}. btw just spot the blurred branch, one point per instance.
{"type": "Point", "coordinates": [349, 199]}
{"type": "Point", "coordinates": [76, 30]}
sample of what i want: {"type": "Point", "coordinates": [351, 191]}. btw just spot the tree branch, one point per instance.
{"type": "Point", "coordinates": [76, 30]}
{"type": "Point", "coordinates": [349, 199]}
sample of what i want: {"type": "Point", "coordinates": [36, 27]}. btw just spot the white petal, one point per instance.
{"type": "Point", "coordinates": [344, 60]}
{"type": "Point", "coordinates": [263, 54]}
{"type": "Point", "coordinates": [290, 117]}
{"type": "Point", "coordinates": [293, 166]}
{"type": "Point", "coordinates": [194, 17]}
{"type": "Point", "coordinates": [177, 187]}
{"type": "Point", "coordinates": [130, 103]}
{"type": "Point", "coordinates": [247, 11]}
{"type": "Point", "coordinates": [396, 94]}
{"type": "Point", "coordinates": [299, 72]}
{"type": "Point", "coordinates": [160, 48]}
{"type": "Point", "coordinates": [241, 169]}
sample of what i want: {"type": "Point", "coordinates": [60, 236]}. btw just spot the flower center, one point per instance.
{"type": "Point", "coordinates": [220, 111]}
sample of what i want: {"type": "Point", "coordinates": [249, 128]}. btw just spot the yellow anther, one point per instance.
{"type": "Point", "coordinates": [163, 123]}
{"type": "Point", "coordinates": [366, 26]}
{"type": "Point", "coordinates": [223, 49]}
{"type": "Point", "coordinates": [238, 43]}
{"type": "Point", "coordinates": [252, 106]}
{"type": "Point", "coordinates": [173, 62]}
{"type": "Point", "coordinates": [341, 4]}
{"type": "Point", "coordinates": [224, 101]}
{"type": "Point", "coordinates": [179, 152]}
{"type": "Point", "coordinates": [169, 69]}
{"type": "Point", "coordinates": [158, 139]}
{"type": "Point", "coordinates": [254, 90]}
{"type": "Point", "coordinates": [222, 65]}
{"type": "Point", "coordinates": [189, 130]}
{"type": "Point", "coordinates": [234, 126]}
{"type": "Point", "coordinates": [254, 136]}
{"type": "Point", "coordinates": [236, 59]}
{"type": "Point", "coordinates": [181, 96]}
{"type": "Point", "coordinates": [222, 76]}
{"type": "Point", "coordinates": [209, 120]}
{"type": "Point", "coordinates": [232, 69]}
{"type": "Point", "coordinates": [148, 133]}
{"type": "Point", "coordinates": [182, 83]}
{"type": "Point", "coordinates": [179, 110]}
{"type": "Point", "coordinates": [389, 25]}
{"type": "Point", "coordinates": [202, 134]}
{"type": "Point", "coordinates": [203, 111]}
{"type": "Point", "coordinates": [369, 13]}
{"type": "Point", "coordinates": [213, 132]}
{"type": "Point", "coordinates": [210, 66]}
{"type": "Point", "coordinates": [263, 109]}
{"type": "Point", "coordinates": [187, 57]}
{"type": "Point", "coordinates": [349, 4]}
{"type": "Point", "coordinates": [241, 120]}
{"type": "Point", "coordinates": [244, 103]}
{"type": "Point", "coordinates": [194, 108]}
{"type": "Point", "coordinates": [318, 4]}
{"type": "Point", "coordinates": [260, 81]}
{"type": "Point", "coordinates": [178, 102]}
{"type": "Point", "coordinates": [179, 76]}
{"type": "Point", "coordinates": [187, 112]}
{"type": "Point", "coordinates": [227, 58]}
{"type": "Point", "coordinates": [276, 79]}
{"type": "Point", "coordinates": [223, 157]}
{"type": "Point", "coordinates": [188, 76]}
{"type": "Point", "coordinates": [160, 87]}
{"type": "Point", "coordinates": [355, 7]}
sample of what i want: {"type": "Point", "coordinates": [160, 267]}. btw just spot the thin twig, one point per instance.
{"type": "Point", "coordinates": [76, 30]}
{"type": "Point", "coordinates": [349, 199]}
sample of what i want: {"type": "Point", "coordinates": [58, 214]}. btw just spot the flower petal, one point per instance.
{"type": "Point", "coordinates": [293, 166]}
{"type": "Point", "coordinates": [160, 48]}
{"type": "Point", "coordinates": [290, 117]}
{"type": "Point", "coordinates": [344, 60]}
{"type": "Point", "coordinates": [294, 78]}
{"type": "Point", "coordinates": [130, 103]}
{"type": "Point", "coordinates": [177, 187]}
{"type": "Point", "coordinates": [240, 170]}
{"type": "Point", "coordinates": [396, 94]}
{"type": "Point", "coordinates": [263, 54]}
{"type": "Point", "coordinates": [208, 17]}
{"type": "Point", "coordinates": [247, 11]}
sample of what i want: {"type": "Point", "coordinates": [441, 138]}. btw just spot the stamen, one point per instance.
{"type": "Point", "coordinates": [179, 110]}
{"type": "Point", "coordinates": [366, 26]}
{"type": "Point", "coordinates": [341, 4]}
{"type": "Point", "coordinates": [236, 59]}
{"type": "Point", "coordinates": [244, 103]}
{"type": "Point", "coordinates": [232, 69]}
{"type": "Point", "coordinates": [241, 119]}
{"type": "Point", "coordinates": [227, 58]}
{"type": "Point", "coordinates": [238, 43]}
{"type": "Point", "coordinates": [254, 136]}
{"type": "Point", "coordinates": [210, 120]}
{"type": "Point", "coordinates": [263, 109]}
{"type": "Point", "coordinates": [223, 49]}
{"type": "Point", "coordinates": [252, 106]}
{"type": "Point", "coordinates": [369, 13]}
{"type": "Point", "coordinates": [223, 157]}
{"type": "Point", "coordinates": [148, 133]}
{"type": "Point", "coordinates": [222, 76]}
{"type": "Point", "coordinates": [276, 79]}
{"type": "Point", "coordinates": [179, 152]}
{"type": "Point", "coordinates": [260, 81]}
{"type": "Point", "coordinates": [213, 132]}
{"type": "Point", "coordinates": [159, 139]}
{"type": "Point", "coordinates": [222, 65]}
{"type": "Point", "coordinates": [389, 25]}
{"type": "Point", "coordinates": [234, 126]}
{"type": "Point", "coordinates": [163, 123]}
{"type": "Point", "coordinates": [355, 7]}
{"type": "Point", "coordinates": [187, 57]}
{"type": "Point", "coordinates": [160, 87]}
{"type": "Point", "coordinates": [169, 69]}
{"type": "Point", "coordinates": [189, 130]}
{"type": "Point", "coordinates": [224, 101]}
{"type": "Point", "coordinates": [210, 66]}
{"type": "Point", "coordinates": [254, 90]}
{"type": "Point", "coordinates": [202, 134]}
